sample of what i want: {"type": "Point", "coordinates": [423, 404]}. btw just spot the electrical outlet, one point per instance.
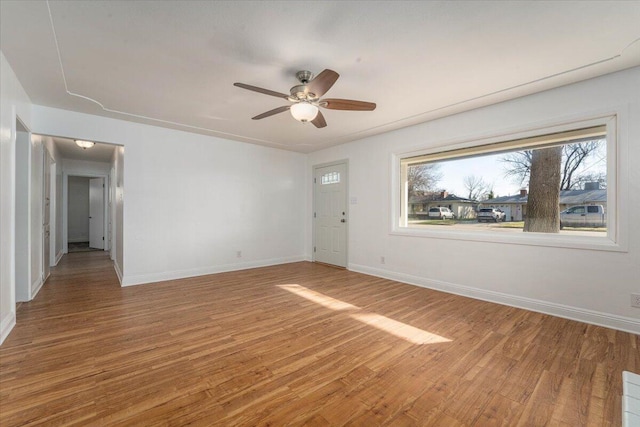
{"type": "Point", "coordinates": [239, 254]}
{"type": "Point", "coordinates": [381, 260]}
{"type": "Point", "coordinates": [635, 300]}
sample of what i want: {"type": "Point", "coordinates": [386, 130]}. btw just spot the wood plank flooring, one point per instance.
{"type": "Point", "coordinates": [298, 344]}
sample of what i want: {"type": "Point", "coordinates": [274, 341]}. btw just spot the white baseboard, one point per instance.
{"type": "Point", "coordinates": [118, 270]}
{"type": "Point", "coordinates": [59, 257]}
{"type": "Point", "coordinates": [6, 325]}
{"type": "Point", "coordinates": [35, 287]}
{"type": "Point", "coordinates": [141, 279]}
{"type": "Point", "coordinates": [607, 320]}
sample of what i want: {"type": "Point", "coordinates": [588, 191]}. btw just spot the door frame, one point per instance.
{"type": "Point", "coordinates": [48, 183]}
{"type": "Point", "coordinates": [65, 205]}
{"type": "Point", "coordinates": [344, 162]}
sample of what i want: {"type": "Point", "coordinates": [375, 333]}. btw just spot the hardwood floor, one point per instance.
{"type": "Point", "coordinates": [298, 344]}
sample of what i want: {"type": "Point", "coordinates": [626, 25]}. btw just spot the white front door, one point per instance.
{"type": "Point", "coordinates": [96, 213]}
{"type": "Point", "coordinates": [330, 215]}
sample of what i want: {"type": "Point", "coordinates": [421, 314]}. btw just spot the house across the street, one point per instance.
{"type": "Point", "coordinates": [462, 208]}
{"type": "Point", "coordinates": [515, 207]}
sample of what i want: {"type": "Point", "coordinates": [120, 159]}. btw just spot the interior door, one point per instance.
{"type": "Point", "coordinates": [330, 215]}
{"type": "Point", "coordinates": [46, 215]}
{"type": "Point", "coordinates": [96, 213]}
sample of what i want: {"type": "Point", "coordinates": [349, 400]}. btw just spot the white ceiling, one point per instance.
{"type": "Point", "coordinates": [173, 63]}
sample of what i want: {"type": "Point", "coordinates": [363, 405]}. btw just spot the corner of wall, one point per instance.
{"type": "Point", "coordinates": [35, 287]}
{"type": "Point", "coordinates": [118, 270]}
{"type": "Point", "coordinates": [6, 325]}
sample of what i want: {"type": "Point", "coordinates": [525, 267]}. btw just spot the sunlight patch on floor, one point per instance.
{"type": "Point", "coordinates": [318, 298]}
{"type": "Point", "coordinates": [399, 329]}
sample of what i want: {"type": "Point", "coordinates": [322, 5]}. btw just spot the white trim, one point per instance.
{"type": "Point", "coordinates": [36, 286]}
{"type": "Point", "coordinates": [621, 323]}
{"type": "Point", "coordinates": [58, 257]}
{"type": "Point", "coordinates": [141, 279]}
{"type": "Point", "coordinates": [6, 325]}
{"type": "Point", "coordinates": [116, 267]}
{"type": "Point", "coordinates": [616, 240]}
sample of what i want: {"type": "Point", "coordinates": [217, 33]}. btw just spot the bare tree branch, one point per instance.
{"type": "Point", "coordinates": [476, 187]}
{"type": "Point", "coordinates": [518, 164]}
{"type": "Point", "coordinates": [422, 178]}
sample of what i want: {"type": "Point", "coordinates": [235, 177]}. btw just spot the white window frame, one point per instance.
{"type": "Point", "coordinates": [617, 224]}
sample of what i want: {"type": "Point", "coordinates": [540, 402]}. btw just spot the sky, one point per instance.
{"type": "Point", "coordinates": [489, 168]}
{"type": "Point", "coordinates": [493, 172]}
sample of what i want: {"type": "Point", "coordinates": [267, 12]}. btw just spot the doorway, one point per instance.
{"type": "Point", "coordinates": [330, 213]}
{"type": "Point", "coordinates": [86, 213]}
{"type": "Point", "coordinates": [96, 213]}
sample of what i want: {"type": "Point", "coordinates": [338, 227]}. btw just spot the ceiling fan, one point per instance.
{"type": "Point", "coordinates": [306, 98]}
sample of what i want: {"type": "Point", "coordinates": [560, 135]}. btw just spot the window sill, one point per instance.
{"type": "Point", "coordinates": [604, 243]}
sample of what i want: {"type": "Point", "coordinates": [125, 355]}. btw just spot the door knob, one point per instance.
{"type": "Point", "coordinates": [343, 220]}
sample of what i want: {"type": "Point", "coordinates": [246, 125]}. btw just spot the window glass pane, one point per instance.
{"type": "Point", "coordinates": [330, 178]}
{"type": "Point", "coordinates": [548, 184]}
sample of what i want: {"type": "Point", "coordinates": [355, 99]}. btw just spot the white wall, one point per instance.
{"type": "Point", "coordinates": [22, 224]}
{"type": "Point", "coordinates": [589, 285]}
{"type": "Point", "coordinates": [193, 201]}
{"type": "Point", "coordinates": [13, 101]}
{"type": "Point", "coordinates": [78, 209]}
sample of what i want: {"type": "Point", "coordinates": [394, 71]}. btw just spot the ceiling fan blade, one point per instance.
{"type": "Point", "coordinates": [271, 112]}
{"type": "Point", "coordinates": [348, 104]}
{"type": "Point", "coordinates": [319, 121]}
{"type": "Point", "coordinates": [323, 82]}
{"type": "Point", "coordinates": [261, 90]}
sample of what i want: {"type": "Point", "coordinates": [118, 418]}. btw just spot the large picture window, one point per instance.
{"type": "Point", "coordinates": [555, 184]}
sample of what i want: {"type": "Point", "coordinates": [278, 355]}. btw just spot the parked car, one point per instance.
{"type": "Point", "coordinates": [583, 216]}
{"type": "Point", "coordinates": [441, 213]}
{"type": "Point", "coordinates": [490, 214]}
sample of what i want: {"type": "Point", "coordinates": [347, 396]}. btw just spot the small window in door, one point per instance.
{"type": "Point", "coordinates": [330, 178]}
{"type": "Point", "coordinates": [592, 209]}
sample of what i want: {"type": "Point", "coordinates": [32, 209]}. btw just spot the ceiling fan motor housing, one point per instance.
{"type": "Point", "coordinates": [301, 93]}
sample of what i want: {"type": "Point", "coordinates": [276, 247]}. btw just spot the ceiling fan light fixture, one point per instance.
{"type": "Point", "coordinates": [304, 111]}
{"type": "Point", "coordinates": [84, 144]}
